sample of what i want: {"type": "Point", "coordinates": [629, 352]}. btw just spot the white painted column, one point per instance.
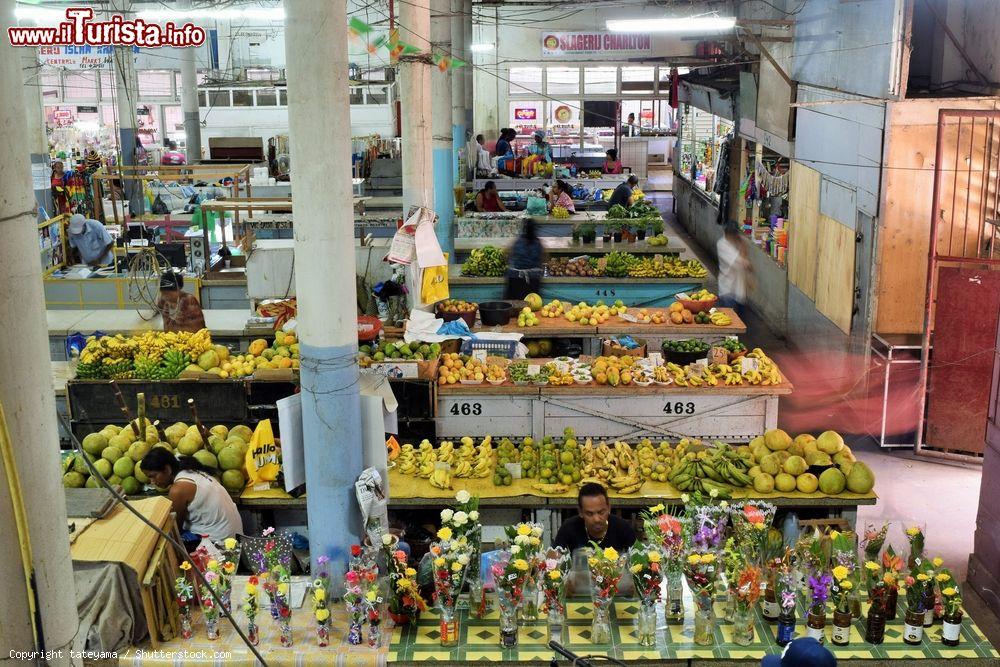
{"type": "Point", "coordinates": [127, 92]}
{"type": "Point", "coordinates": [325, 274]}
{"type": "Point", "coordinates": [415, 106]}
{"type": "Point", "coordinates": [189, 103]}
{"type": "Point", "coordinates": [441, 126]}
{"type": "Point", "coordinates": [458, 92]}
{"type": "Point", "coordinates": [27, 398]}
{"type": "Point", "coordinates": [34, 115]}
{"type": "Point", "coordinates": [469, 124]}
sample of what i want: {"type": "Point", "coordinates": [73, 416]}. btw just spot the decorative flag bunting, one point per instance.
{"type": "Point", "coordinates": [396, 47]}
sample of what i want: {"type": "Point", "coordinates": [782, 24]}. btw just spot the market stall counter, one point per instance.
{"type": "Point", "coordinates": [638, 292]}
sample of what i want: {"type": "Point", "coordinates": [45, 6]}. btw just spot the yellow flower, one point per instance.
{"type": "Point", "coordinates": [834, 534]}
{"type": "Point", "coordinates": [521, 564]}
{"type": "Point", "coordinates": [524, 529]}
{"type": "Point", "coordinates": [444, 533]}
{"type": "Point", "coordinates": [185, 566]}
{"type": "Point", "coordinates": [657, 508]}
{"type": "Point", "coordinates": [654, 556]}
{"type": "Point", "coordinates": [322, 614]}
{"type": "Point", "coordinates": [251, 589]}
{"type": "Point", "coordinates": [229, 567]}
{"type": "Point", "coordinates": [610, 554]}
{"type": "Point", "coordinates": [592, 561]}
{"type": "Point", "coordinates": [694, 559]}
{"type": "Point", "coordinates": [938, 562]}
{"type": "Point", "coordinates": [708, 558]}
{"type": "Point", "coordinates": [846, 584]}
{"type": "Point", "coordinates": [555, 575]}
{"type": "Point", "coordinates": [371, 596]}
{"type": "Point", "coordinates": [872, 566]}
{"type": "Point", "coordinates": [212, 564]}
{"type": "Point", "coordinates": [534, 541]}
{"type": "Point", "coordinates": [943, 577]}
{"type": "Point", "coordinates": [456, 567]}
{"type": "Point", "coordinates": [403, 584]}
{"type": "Point", "coordinates": [230, 543]}
{"type": "Point", "coordinates": [912, 531]}
{"type": "Point", "coordinates": [439, 562]}
{"type": "Point", "coordinates": [949, 592]}
{"type": "Point", "coordinates": [410, 572]}
{"type": "Point", "coordinates": [637, 568]}
{"type": "Point", "coordinates": [282, 589]}
{"type": "Point", "coordinates": [319, 594]}
{"type": "Point", "coordinates": [840, 572]}
{"type": "Point", "coordinates": [760, 526]}
{"type": "Point", "coordinates": [923, 577]}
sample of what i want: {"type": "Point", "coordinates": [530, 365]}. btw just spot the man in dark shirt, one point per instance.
{"type": "Point", "coordinates": [623, 193]}
{"type": "Point", "coordinates": [595, 523]}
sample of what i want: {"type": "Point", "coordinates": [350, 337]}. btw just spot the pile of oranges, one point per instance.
{"type": "Point", "coordinates": [455, 367]}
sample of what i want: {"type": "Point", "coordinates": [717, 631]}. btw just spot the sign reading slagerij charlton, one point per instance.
{"type": "Point", "coordinates": [590, 45]}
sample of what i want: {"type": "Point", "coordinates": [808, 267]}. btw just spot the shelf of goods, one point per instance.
{"type": "Point", "coordinates": [507, 225]}
{"type": "Point", "coordinates": [479, 640]}
{"type": "Point", "coordinates": [508, 184]}
{"type": "Point", "coordinates": [565, 246]}
{"type": "Point", "coordinates": [653, 292]}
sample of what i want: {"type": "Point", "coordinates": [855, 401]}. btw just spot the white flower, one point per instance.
{"type": "Point", "coordinates": [460, 518]}
{"type": "Point", "coordinates": [463, 496]}
{"type": "Point", "coordinates": [724, 504]}
{"type": "Point", "coordinates": [685, 498]}
{"type": "Point", "coordinates": [463, 559]}
{"type": "Point", "coordinates": [514, 549]}
{"type": "Point", "coordinates": [713, 492]}
{"type": "Point", "coordinates": [387, 539]}
{"type": "Point", "coordinates": [446, 515]}
{"type": "Point", "coordinates": [522, 539]}
{"type": "Point", "coordinates": [537, 531]}
{"type": "Point", "coordinates": [474, 515]}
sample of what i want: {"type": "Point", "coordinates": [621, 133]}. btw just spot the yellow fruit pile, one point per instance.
{"type": "Point", "coordinates": [599, 313]}
{"type": "Point", "coordinates": [526, 318]}
{"type": "Point", "coordinates": [766, 373]}
{"type": "Point", "coordinates": [455, 367]}
{"type": "Point", "coordinates": [282, 353]}
{"type": "Point", "coordinates": [783, 464]}
{"type": "Point", "coordinates": [613, 370]}
{"type": "Point", "coordinates": [553, 309]}
{"type": "Point", "coordinates": [496, 373]}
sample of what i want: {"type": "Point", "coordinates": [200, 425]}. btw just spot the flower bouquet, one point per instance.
{"type": "Point", "coordinates": [184, 592]}
{"type": "Point", "coordinates": [932, 599]}
{"type": "Point", "coordinates": [373, 610]}
{"type": "Point", "coordinates": [646, 566]}
{"type": "Point", "coordinates": [700, 569]}
{"type": "Point", "coordinates": [273, 562]}
{"type": "Point", "coordinates": [874, 540]}
{"type": "Point", "coordinates": [915, 536]}
{"type": "Point", "coordinates": [354, 601]}
{"type": "Point", "coordinates": [553, 574]}
{"type": "Point", "coordinates": [892, 565]}
{"type": "Point", "coordinates": [450, 563]}
{"type": "Point", "coordinates": [819, 593]}
{"type": "Point", "coordinates": [787, 586]}
{"type": "Point", "coordinates": [606, 567]}
{"type": "Point", "coordinates": [746, 594]}
{"type": "Point", "coordinates": [951, 599]}
{"type": "Point", "coordinates": [844, 554]}
{"type": "Point", "coordinates": [228, 560]}
{"type": "Point", "coordinates": [509, 576]}
{"type": "Point", "coordinates": [751, 521]}
{"type": "Point", "coordinates": [841, 591]}
{"type": "Point", "coordinates": [321, 584]}
{"type": "Point", "coordinates": [733, 562]}
{"type": "Point", "coordinates": [209, 608]}
{"type": "Point", "coordinates": [667, 532]}
{"type": "Point", "coordinates": [525, 541]}
{"type": "Point", "coordinates": [913, 623]}
{"type": "Point", "coordinates": [463, 521]}
{"type": "Point", "coordinates": [279, 598]}
{"type": "Point", "coordinates": [250, 608]}
{"type": "Point", "coordinates": [878, 597]}
{"type": "Point", "coordinates": [405, 601]}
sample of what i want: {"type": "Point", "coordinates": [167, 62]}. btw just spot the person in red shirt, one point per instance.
{"type": "Point", "coordinates": [488, 199]}
{"type": "Point", "coordinates": [612, 165]}
{"type": "Point", "coordinates": [180, 310]}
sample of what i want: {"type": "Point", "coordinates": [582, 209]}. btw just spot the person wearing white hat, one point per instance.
{"type": "Point", "coordinates": [91, 241]}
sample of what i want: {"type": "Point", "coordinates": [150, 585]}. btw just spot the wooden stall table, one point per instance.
{"type": "Point", "coordinates": [636, 292]}
{"type": "Point", "coordinates": [479, 641]}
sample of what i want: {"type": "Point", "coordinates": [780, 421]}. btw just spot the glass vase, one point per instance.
{"type": "Point", "coordinates": [374, 632]}
{"type": "Point", "coordinates": [928, 603]}
{"type": "Point", "coordinates": [704, 620]}
{"type": "Point", "coordinates": [480, 603]}
{"type": "Point", "coordinates": [769, 606]}
{"type": "Point", "coordinates": [212, 627]}
{"type": "Point", "coordinates": [508, 619]}
{"type": "Point", "coordinates": [913, 627]}
{"type": "Point", "coordinates": [891, 604]}
{"type": "Point", "coordinates": [729, 606]}
{"type": "Point", "coordinates": [674, 607]}
{"type": "Point", "coordinates": [323, 632]}
{"type": "Point", "coordinates": [600, 627]}
{"type": "Point", "coordinates": [743, 619]}
{"type": "Point", "coordinates": [841, 633]}
{"type": "Point", "coordinates": [854, 600]}
{"type": "Point", "coordinates": [786, 627]}
{"type": "Point", "coordinates": [646, 623]}
{"type": "Point", "coordinates": [528, 609]}
{"type": "Point", "coordinates": [816, 625]}
{"type": "Point", "coordinates": [286, 631]}
{"type": "Point", "coordinates": [187, 630]}
{"type": "Point", "coordinates": [448, 625]}
{"type": "Point", "coordinates": [951, 631]}
{"type": "Point", "coordinates": [875, 628]}
{"type": "Point", "coordinates": [555, 619]}
{"type": "Point", "coordinates": [354, 630]}
{"type": "Point", "coordinates": [252, 632]}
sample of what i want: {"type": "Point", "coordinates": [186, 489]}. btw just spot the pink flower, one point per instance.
{"type": "Point", "coordinates": [400, 556]}
{"type": "Point", "coordinates": [551, 564]}
{"type": "Point", "coordinates": [268, 531]}
{"type": "Point", "coordinates": [355, 550]}
{"type": "Point", "coordinates": [668, 524]}
{"type": "Point", "coordinates": [352, 577]}
{"type": "Point", "coordinates": [211, 576]}
{"type": "Point", "coordinates": [322, 560]}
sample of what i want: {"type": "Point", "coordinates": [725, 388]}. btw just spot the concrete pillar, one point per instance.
{"type": "Point", "coordinates": [415, 103]}
{"type": "Point", "coordinates": [27, 399]}
{"type": "Point", "coordinates": [325, 274]}
{"type": "Point", "coordinates": [189, 104]}
{"type": "Point", "coordinates": [458, 92]}
{"type": "Point", "coordinates": [38, 143]}
{"type": "Point", "coordinates": [127, 85]}
{"type": "Point", "coordinates": [468, 71]}
{"type": "Point", "coordinates": [441, 127]}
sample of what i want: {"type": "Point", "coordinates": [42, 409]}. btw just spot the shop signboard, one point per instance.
{"type": "Point", "coordinates": [584, 45]}
{"type": "Point", "coordinates": [71, 56]}
{"type": "Point", "coordinates": [525, 114]}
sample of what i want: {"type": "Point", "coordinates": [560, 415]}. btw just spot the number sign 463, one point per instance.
{"type": "Point", "coordinates": [466, 409]}
{"type": "Point", "coordinates": [679, 408]}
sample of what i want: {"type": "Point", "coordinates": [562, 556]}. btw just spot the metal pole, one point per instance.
{"type": "Point", "coordinates": [441, 124]}
{"type": "Point", "coordinates": [27, 398]}
{"type": "Point", "coordinates": [189, 103]}
{"type": "Point", "coordinates": [325, 274]}
{"type": "Point", "coordinates": [415, 90]}
{"type": "Point", "coordinates": [458, 92]}
{"type": "Point", "coordinates": [127, 84]}
{"type": "Point", "coordinates": [38, 143]}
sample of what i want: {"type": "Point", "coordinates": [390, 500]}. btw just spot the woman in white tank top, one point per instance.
{"type": "Point", "coordinates": [202, 504]}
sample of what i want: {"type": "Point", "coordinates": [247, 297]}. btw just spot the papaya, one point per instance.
{"type": "Point", "coordinates": [257, 347]}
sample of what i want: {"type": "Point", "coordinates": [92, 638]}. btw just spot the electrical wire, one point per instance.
{"type": "Point", "coordinates": [143, 279]}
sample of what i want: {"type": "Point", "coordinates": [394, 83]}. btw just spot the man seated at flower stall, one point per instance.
{"type": "Point", "coordinates": [594, 523]}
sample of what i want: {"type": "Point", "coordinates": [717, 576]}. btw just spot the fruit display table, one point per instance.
{"type": "Point", "coordinates": [510, 226]}
{"type": "Point", "coordinates": [638, 292]}
{"type": "Point", "coordinates": [732, 414]}
{"type": "Point", "coordinates": [479, 641]}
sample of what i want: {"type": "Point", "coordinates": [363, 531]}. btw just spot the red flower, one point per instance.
{"type": "Point", "coordinates": [253, 580]}
{"type": "Point", "coordinates": [753, 514]}
{"type": "Point", "coordinates": [355, 550]}
{"type": "Point", "coordinates": [285, 612]}
{"type": "Point", "coordinates": [400, 556]}
{"type": "Point", "coordinates": [269, 545]}
{"type": "Point", "coordinates": [668, 524]}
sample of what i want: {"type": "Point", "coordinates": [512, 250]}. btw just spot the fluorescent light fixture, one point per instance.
{"type": "Point", "coordinates": [263, 14]}
{"type": "Point", "coordinates": [480, 48]}
{"type": "Point", "coordinates": [39, 14]}
{"type": "Point", "coordinates": [679, 24]}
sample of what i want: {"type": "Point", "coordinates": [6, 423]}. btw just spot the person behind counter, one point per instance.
{"type": "Point", "coordinates": [559, 196]}
{"type": "Point", "coordinates": [594, 523]}
{"type": "Point", "coordinates": [524, 266]}
{"type": "Point", "coordinates": [488, 199]}
{"type": "Point", "coordinates": [504, 151]}
{"type": "Point", "coordinates": [202, 505]}
{"type": "Point", "coordinates": [90, 241]}
{"type": "Point", "coordinates": [483, 164]}
{"type": "Point", "coordinates": [179, 309]}
{"type": "Point", "coordinates": [623, 193]}
{"type": "Point", "coordinates": [612, 165]}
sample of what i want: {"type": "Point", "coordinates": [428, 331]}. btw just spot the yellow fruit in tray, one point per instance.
{"type": "Point", "coordinates": [807, 483]}
{"type": "Point", "coordinates": [534, 301]}
{"type": "Point", "coordinates": [860, 479]}
{"type": "Point", "coordinates": [776, 440]}
{"type": "Point", "coordinates": [830, 442]}
{"type": "Point", "coordinates": [763, 483]}
{"type": "Point", "coordinates": [784, 482]}
{"type": "Point", "coordinates": [832, 482]}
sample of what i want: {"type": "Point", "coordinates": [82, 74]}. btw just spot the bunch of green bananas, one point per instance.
{"type": "Point", "coordinates": [720, 468]}
{"type": "Point", "coordinates": [618, 264]}
{"type": "Point", "coordinates": [488, 261]}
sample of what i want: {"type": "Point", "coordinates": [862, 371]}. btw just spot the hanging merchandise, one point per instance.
{"type": "Point", "coordinates": [772, 184]}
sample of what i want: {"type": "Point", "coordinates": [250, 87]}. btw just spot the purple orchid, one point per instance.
{"type": "Point", "coordinates": [820, 588]}
{"type": "Point", "coordinates": [787, 599]}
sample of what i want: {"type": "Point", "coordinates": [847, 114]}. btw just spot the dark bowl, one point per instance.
{"type": "Point", "coordinates": [495, 313]}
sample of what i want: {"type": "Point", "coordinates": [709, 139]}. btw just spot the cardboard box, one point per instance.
{"type": "Point", "coordinates": [281, 374]}
{"type": "Point", "coordinates": [406, 369]}
{"type": "Point", "coordinates": [608, 351]}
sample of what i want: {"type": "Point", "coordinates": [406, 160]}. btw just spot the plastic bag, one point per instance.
{"type": "Point", "coordinates": [434, 284]}
{"type": "Point", "coordinates": [263, 459]}
{"type": "Point", "coordinates": [537, 206]}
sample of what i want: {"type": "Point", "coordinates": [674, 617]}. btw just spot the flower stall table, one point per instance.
{"type": "Point", "coordinates": [674, 645]}
{"type": "Point", "coordinates": [229, 649]}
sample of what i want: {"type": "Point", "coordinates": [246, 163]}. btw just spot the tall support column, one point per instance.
{"type": "Point", "coordinates": [458, 49]}
{"type": "Point", "coordinates": [27, 399]}
{"type": "Point", "coordinates": [415, 102]}
{"type": "Point", "coordinates": [189, 104]}
{"type": "Point", "coordinates": [441, 126]}
{"type": "Point", "coordinates": [127, 85]}
{"type": "Point", "coordinates": [325, 274]}
{"type": "Point", "coordinates": [469, 124]}
{"type": "Point", "coordinates": [34, 114]}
